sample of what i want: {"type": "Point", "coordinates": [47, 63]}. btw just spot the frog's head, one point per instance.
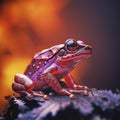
{"type": "Point", "coordinates": [73, 52]}
{"type": "Point", "coordinates": [69, 54]}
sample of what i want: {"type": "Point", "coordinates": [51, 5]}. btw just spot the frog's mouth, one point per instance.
{"type": "Point", "coordinates": [77, 56]}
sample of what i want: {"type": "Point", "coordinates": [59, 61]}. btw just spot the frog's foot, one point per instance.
{"type": "Point", "coordinates": [38, 94]}
{"type": "Point", "coordinates": [83, 91]}
{"type": "Point", "coordinates": [67, 92]}
{"type": "Point", "coordinates": [80, 87]}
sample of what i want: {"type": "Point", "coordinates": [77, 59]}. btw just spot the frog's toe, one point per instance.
{"type": "Point", "coordinates": [72, 96]}
{"type": "Point", "coordinates": [41, 94]}
{"type": "Point", "coordinates": [46, 97]}
{"type": "Point", "coordinates": [30, 96]}
{"type": "Point", "coordinates": [38, 93]}
{"type": "Point", "coordinates": [86, 92]}
{"type": "Point", "coordinates": [79, 87]}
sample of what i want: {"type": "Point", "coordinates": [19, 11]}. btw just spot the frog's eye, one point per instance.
{"type": "Point", "coordinates": [71, 45]}
{"type": "Point", "coordinates": [62, 52]}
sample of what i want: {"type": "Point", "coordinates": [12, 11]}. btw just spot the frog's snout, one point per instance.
{"type": "Point", "coordinates": [88, 47]}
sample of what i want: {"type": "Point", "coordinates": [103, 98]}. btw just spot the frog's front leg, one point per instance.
{"type": "Point", "coordinates": [71, 84]}
{"type": "Point", "coordinates": [52, 81]}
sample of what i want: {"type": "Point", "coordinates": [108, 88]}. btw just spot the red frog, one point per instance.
{"type": "Point", "coordinates": [51, 65]}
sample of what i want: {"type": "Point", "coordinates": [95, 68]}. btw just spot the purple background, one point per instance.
{"type": "Point", "coordinates": [96, 22]}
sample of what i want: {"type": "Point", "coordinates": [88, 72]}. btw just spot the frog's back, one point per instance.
{"type": "Point", "coordinates": [40, 62]}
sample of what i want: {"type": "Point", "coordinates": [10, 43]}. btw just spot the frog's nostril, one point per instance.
{"type": "Point", "coordinates": [88, 47]}
{"type": "Point", "coordinates": [81, 46]}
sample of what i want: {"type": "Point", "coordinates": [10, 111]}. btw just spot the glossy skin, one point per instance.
{"type": "Point", "coordinates": [49, 66]}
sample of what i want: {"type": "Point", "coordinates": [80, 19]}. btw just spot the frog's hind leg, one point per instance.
{"type": "Point", "coordinates": [25, 86]}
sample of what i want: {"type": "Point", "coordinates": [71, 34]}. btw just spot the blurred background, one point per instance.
{"type": "Point", "coordinates": [28, 26]}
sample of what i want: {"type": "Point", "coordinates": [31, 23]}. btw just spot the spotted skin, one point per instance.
{"type": "Point", "coordinates": [51, 65]}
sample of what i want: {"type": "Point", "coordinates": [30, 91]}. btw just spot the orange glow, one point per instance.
{"type": "Point", "coordinates": [14, 66]}
{"type": "Point", "coordinates": [26, 28]}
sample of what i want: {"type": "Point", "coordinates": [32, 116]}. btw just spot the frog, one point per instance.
{"type": "Point", "coordinates": [49, 66]}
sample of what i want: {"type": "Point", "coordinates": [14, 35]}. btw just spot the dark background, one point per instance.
{"type": "Point", "coordinates": [96, 22]}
